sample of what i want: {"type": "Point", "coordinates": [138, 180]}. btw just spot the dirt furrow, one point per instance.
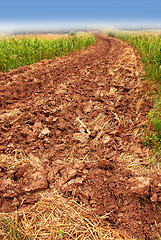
{"type": "Point", "coordinates": [75, 124]}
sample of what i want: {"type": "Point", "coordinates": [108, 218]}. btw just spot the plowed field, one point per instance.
{"type": "Point", "coordinates": [75, 124]}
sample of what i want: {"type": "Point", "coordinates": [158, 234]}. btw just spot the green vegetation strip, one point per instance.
{"type": "Point", "coordinates": [16, 52]}
{"type": "Point", "coordinates": [149, 47]}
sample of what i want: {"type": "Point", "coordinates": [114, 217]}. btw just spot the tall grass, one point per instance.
{"type": "Point", "coordinates": [149, 47]}
{"type": "Point", "coordinates": [16, 52]}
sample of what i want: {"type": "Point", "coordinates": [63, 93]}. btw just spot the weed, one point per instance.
{"type": "Point", "coordinates": [10, 230]}
{"type": "Point", "coordinates": [61, 235]}
{"type": "Point", "coordinates": [153, 129]}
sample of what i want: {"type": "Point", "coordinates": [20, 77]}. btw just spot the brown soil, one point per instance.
{"type": "Point", "coordinates": [74, 124]}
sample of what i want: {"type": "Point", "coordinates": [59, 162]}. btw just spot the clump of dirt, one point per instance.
{"type": "Point", "coordinates": [78, 118]}
{"type": "Point", "coordinates": [128, 202]}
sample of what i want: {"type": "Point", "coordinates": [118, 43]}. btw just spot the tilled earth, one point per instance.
{"type": "Point", "coordinates": [75, 124]}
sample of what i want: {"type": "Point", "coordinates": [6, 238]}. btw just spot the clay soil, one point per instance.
{"type": "Point", "coordinates": [74, 124]}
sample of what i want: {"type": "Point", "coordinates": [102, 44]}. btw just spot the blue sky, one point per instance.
{"type": "Point", "coordinates": [48, 14]}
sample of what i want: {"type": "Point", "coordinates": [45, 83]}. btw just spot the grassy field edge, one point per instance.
{"type": "Point", "coordinates": [148, 46]}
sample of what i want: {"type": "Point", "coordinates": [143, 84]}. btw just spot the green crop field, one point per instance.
{"type": "Point", "coordinates": [16, 52]}
{"type": "Point", "coordinates": [149, 47]}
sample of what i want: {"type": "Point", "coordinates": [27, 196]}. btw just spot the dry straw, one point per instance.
{"type": "Point", "coordinates": [55, 217]}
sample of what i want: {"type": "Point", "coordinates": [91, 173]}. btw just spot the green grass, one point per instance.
{"type": "Point", "coordinates": [10, 230]}
{"type": "Point", "coordinates": [16, 52]}
{"type": "Point", "coordinates": [149, 47]}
